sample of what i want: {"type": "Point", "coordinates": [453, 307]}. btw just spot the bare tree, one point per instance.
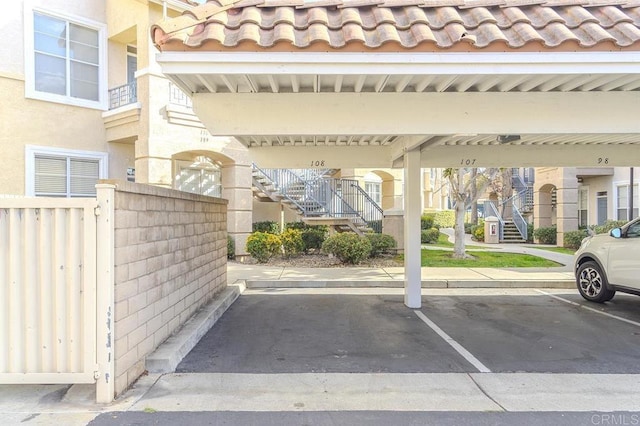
{"type": "Point", "coordinates": [466, 188]}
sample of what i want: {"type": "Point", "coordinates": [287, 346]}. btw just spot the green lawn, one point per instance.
{"type": "Point", "coordinates": [563, 250]}
{"type": "Point", "coordinates": [484, 259]}
{"type": "Point", "coordinates": [443, 241]}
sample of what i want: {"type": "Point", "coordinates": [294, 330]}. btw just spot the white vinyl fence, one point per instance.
{"type": "Point", "coordinates": [47, 290]}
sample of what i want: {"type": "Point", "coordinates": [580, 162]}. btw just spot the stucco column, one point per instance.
{"type": "Point", "coordinates": [567, 204]}
{"type": "Point", "coordinates": [541, 209]}
{"type": "Point", "coordinates": [236, 187]}
{"type": "Point", "coordinates": [412, 248]}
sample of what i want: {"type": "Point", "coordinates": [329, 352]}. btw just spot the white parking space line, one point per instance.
{"type": "Point", "coordinates": [588, 308]}
{"type": "Point", "coordinates": [455, 345]}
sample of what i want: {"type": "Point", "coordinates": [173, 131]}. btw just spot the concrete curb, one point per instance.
{"type": "Point", "coordinates": [168, 355]}
{"type": "Point", "coordinates": [256, 284]}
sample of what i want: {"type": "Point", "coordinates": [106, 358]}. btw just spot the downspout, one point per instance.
{"type": "Point", "coordinates": [630, 193]}
{"type": "Point", "coordinates": [164, 9]}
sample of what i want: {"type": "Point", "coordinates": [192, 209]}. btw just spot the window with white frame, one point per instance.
{"type": "Point", "coordinates": [373, 187]}
{"type": "Point", "coordinates": [583, 206]}
{"type": "Point", "coordinates": [622, 199]}
{"type": "Point", "coordinates": [53, 172]}
{"type": "Point", "coordinates": [64, 58]}
{"type": "Point", "coordinates": [202, 176]}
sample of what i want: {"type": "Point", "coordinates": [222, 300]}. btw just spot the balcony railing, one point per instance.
{"type": "Point", "coordinates": [178, 97]}
{"type": "Point", "coordinates": [123, 95]}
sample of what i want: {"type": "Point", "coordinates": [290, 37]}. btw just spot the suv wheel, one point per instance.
{"type": "Point", "coordinates": [592, 284]}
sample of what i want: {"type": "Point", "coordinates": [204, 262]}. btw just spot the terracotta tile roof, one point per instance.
{"type": "Point", "coordinates": [399, 25]}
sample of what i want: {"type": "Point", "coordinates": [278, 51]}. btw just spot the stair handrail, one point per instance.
{"type": "Point", "coordinates": [282, 180]}
{"type": "Point", "coordinates": [371, 211]}
{"type": "Point", "coordinates": [517, 203]}
{"type": "Point", "coordinates": [490, 209]}
{"type": "Point", "coordinates": [334, 197]}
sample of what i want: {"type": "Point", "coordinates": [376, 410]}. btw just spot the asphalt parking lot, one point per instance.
{"type": "Point", "coordinates": [360, 356]}
{"type": "Point", "coordinates": [467, 331]}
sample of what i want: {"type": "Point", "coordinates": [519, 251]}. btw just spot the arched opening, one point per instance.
{"type": "Point", "coordinates": [384, 187]}
{"type": "Point", "coordinates": [546, 206]}
{"type": "Point", "coordinates": [199, 172]}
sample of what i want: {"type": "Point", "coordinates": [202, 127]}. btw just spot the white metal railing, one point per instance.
{"type": "Point", "coordinates": [47, 290]}
{"type": "Point", "coordinates": [123, 95]}
{"type": "Point", "coordinates": [178, 97]}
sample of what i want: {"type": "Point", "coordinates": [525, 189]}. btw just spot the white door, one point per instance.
{"type": "Point", "coordinates": [624, 264]}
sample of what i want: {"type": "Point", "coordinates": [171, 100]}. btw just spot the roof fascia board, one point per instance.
{"type": "Point", "coordinates": [398, 63]}
{"type": "Point", "coordinates": [173, 4]}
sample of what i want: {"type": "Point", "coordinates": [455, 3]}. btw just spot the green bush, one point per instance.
{"type": "Point", "coordinates": [231, 248]}
{"type": "Point", "coordinates": [348, 247]}
{"type": "Point", "coordinates": [546, 235]}
{"type": "Point", "coordinates": [312, 235]}
{"type": "Point", "coordinates": [608, 226]}
{"type": "Point", "coordinates": [380, 244]}
{"type": "Point", "coordinates": [429, 236]}
{"type": "Point", "coordinates": [468, 227]}
{"type": "Point", "coordinates": [426, 220]}
{"type": "Point", "coordinates": [572, 239]}
{"type": "Point", "coordinates": [266, 226]}
{"type": "Point", "coordinates": [530, 233]}
{"type": "Point", "coordinates": [292, 243]}
{"type": "Point", "coordinates": [444, 219]}
{"type": "Point", "coordinates": [263, 246]}
{"type": "Point", "coordinates": [478, 233]}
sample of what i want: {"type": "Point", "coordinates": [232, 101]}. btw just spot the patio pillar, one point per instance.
{"type": "Point", "coordinates": [412, 212]}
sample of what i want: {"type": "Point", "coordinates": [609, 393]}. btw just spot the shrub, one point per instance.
{"type": "Point", "coordinates": [347, 247]}
{"type": "Point", "coordinates": [429, 236]}
{"type": "Point", "coordinates": [468, 227]}
{"type": "Point", "coordinates": [426, 220]}
{"type": "Point", "coordinates": [530, 233]}
{"type": "Point", "coordinates": [292, 243]}
{"type": "Point", "coordinates": [444, 219]}
{"type": "Point", "coordinates": [231, 248]}
{"type": "Point", "coordinates": [572, 239]}
{"type": "Point", "coordinates": [478, 233]}
{"type": "Point", "coordinates": [608, 226]}
{"type": "Point", "coordinates": [263, 246]}
{"type": "Point", "coordinates": [546, 235]}
{"type": "Point", "coordinates": [380, 244]}
{"type": "Point", "coordinates": [312, 235]}
{"type": "Point", "coordinates": [266, 226]}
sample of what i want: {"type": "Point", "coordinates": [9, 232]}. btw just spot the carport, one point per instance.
{"type": "Point", "coordinates": [414, 83]}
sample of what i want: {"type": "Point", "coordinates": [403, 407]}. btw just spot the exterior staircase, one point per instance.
{"type": "Point", "coordinates": [513, 226]}
{"type": "Point", "coordinates": [319, 199]}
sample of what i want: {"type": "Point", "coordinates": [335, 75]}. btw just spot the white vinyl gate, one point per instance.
{"type": "Point", "coordinates": [47, 290]}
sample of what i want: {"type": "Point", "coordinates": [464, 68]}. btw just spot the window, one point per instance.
{"type": "Point", "coordinates": [52, 172]}
{"type": "Point", "coordinates": [203, 176]}
{"type": "Point", "coordinates": [623, 201]}
{"type": "Point", "coordinates": [583, 203]}
{"type": "Point", "coordinates": [373, 187]}
{"type": "Point", "coordinates": [132, 63]}
{"type": "Point", "coordinates": [64, 59]}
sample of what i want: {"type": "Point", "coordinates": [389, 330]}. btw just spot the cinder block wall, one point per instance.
{"type": "Point", "coordinates": [170, 259]}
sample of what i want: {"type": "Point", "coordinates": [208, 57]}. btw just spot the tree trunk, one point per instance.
{"type": "Point", "coordinates": [474, 197]}
{"type": "Point", "coordinates": [459, 245]}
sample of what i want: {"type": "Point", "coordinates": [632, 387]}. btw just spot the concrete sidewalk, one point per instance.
{"type": "Point", "coordinates": [258, 276]}
{"type": "Point", "coordinates": [263, 276]}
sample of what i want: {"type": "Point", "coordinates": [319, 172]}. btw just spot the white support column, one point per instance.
{"type": "Point", "coordinates": [412, 247]}
{"type": "Point", "coordinates": [105, 283]}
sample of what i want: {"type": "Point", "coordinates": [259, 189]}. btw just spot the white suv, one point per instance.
{"type": "Point", "coordinates": [607, 263]}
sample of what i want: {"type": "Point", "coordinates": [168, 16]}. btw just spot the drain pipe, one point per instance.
{"type": "Point", "coordinates": [164, 9]}
{"type": "Point", "coordinates": [631, 193]}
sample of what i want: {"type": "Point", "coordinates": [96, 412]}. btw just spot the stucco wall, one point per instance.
{"type": "Point", "coordinates": [170, 259]}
